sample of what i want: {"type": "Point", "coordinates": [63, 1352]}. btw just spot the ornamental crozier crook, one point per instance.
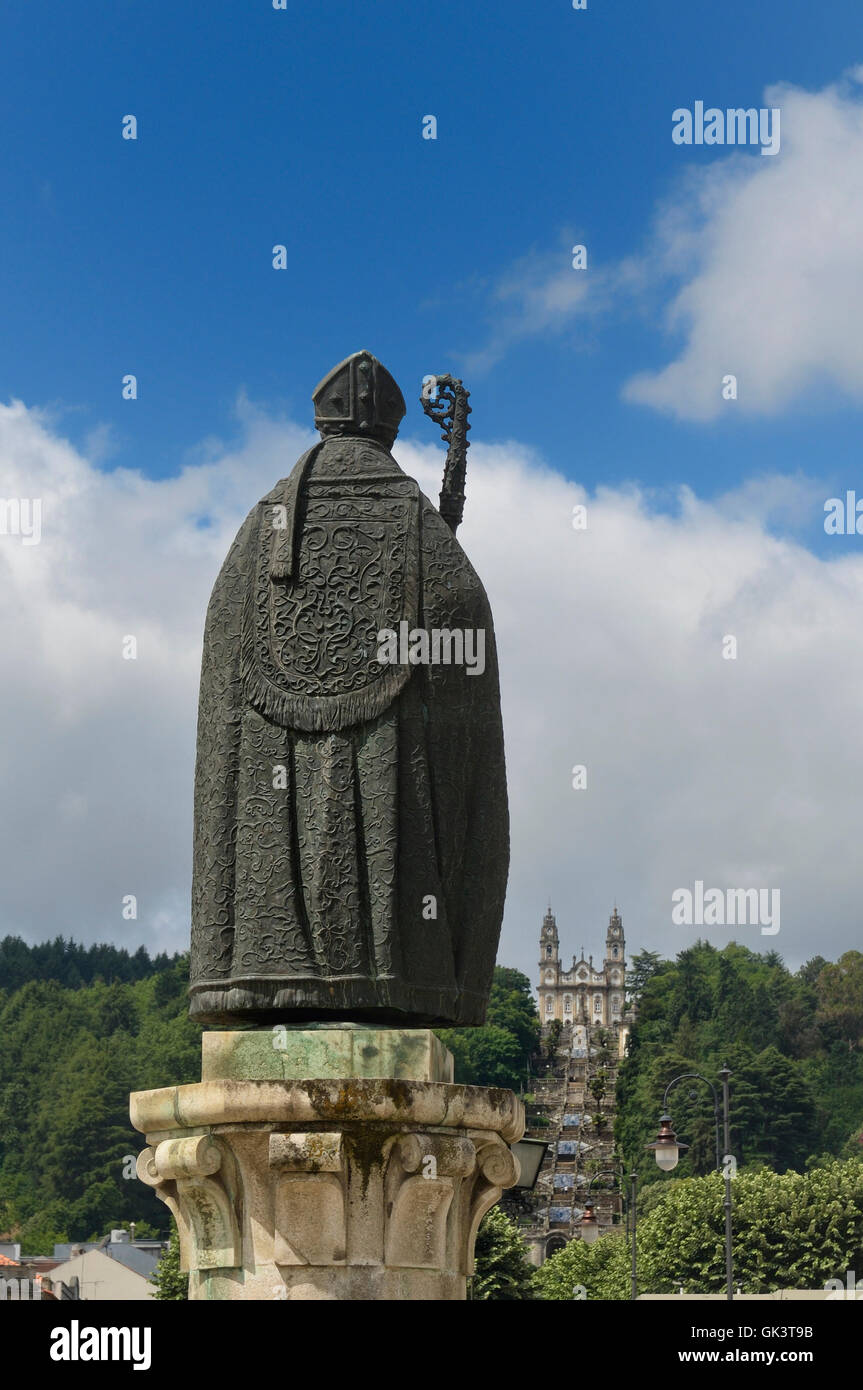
{"type": "Point", "coordinates": [447, 405]}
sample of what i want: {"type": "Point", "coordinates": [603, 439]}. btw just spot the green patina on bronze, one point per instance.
{"type": "Point", "coordinates": [295, 1054]}
{"type": "Point", "coordinates": [351, 826]}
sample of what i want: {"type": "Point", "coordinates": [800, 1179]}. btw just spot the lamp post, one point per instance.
{"type": "Point", "coordinates": [589, 1225]}
{"type": "Point", "coordinates": [667, 1149]}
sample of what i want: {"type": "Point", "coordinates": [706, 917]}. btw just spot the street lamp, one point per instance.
{"type": "Point", "coordinates": [667, 1149]}
{"type": "Point", "coordinates": [530, 1153]}
{"type": "Point", "coordinates": [589, 1227]}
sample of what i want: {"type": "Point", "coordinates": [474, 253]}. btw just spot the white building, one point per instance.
{"type": "Point", "coordinates": [584, 994]}
{"type": "Point", "coordinates": [99, 1279]}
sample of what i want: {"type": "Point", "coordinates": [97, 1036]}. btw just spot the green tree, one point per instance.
{"type": "Point", "coordinates": [169, 1279]}
{"type": "Point", "coordinates": [503, 1270]}
{"type": "Point", "coordinates": [791, 1231]}
{"type": "Point", "coordinates": [486, 1056]}
{"type": "Point", "coordinates": [598, 1271]}
{"type": "Point", "coordinates": [642, 967]}
{"type": "Point", "coordinates": [498, 1054]}
{"type": "Point", "coordinates": [772, 1109]}
{"type": "Point", "coordinates": [597, 1086]}
{"type": "Point", "coordinates": [65, 1136]}
{"type": "Point", "coordinates": [45, 1228]}
{"type": "Point", "coordinates": [692, 993]}
{"type": "Point", "coordinates": [511, 1006]}
{"type": "Point", "coordinates": [812, 969]}
{"type": "Point", "coordinates": [840, 998]}
{"type": "Point", "coordinates": [798, 1034]}
{"type": "Point", "coordinates": [789, 1039]}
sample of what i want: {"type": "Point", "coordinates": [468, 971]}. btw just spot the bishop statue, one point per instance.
{"type": "Point", "coordinates": [351, 826]}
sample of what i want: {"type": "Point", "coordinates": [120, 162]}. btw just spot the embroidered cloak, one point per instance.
{"type": "Point", "coordinates": [351, 825]}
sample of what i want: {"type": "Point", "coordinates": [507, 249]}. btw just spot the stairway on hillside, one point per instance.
{"type": "Point", "coordinates": [578, 1126]}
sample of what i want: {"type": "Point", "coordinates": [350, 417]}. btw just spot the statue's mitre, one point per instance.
{"type": "Point", "coordinates": [359, 397]}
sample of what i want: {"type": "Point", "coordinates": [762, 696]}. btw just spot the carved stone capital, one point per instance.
{"type": "Point", "coordinates": [330, 1189]}
{"type": "Point", "coordinates": [207, 1208]}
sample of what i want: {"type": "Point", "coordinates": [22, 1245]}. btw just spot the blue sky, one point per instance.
{"type": "Point", "coordinates": [303, 126]}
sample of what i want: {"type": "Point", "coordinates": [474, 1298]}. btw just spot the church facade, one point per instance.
{"type": "Point", "coordinates": [584, 994]}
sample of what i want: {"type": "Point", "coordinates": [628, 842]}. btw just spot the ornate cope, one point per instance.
{"type": "Point", "coordinates": [351, 829]}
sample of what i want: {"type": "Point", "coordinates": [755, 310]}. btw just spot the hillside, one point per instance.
{"type": "Point", "coordinates": [80, 1029]}
{"type": "Point", "coordinates": [793, 1042]}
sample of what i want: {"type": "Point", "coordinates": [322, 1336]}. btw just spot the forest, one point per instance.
{"type": "Point", "coordinates": [793, 1043]}
{"type": "Point", "coordinates": [81, 1027]}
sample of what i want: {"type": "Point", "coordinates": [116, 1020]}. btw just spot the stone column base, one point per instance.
{"type": "Point", "coordinates": [362, 1187]}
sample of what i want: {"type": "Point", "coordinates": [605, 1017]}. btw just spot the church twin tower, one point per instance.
{"type": "Point", "coordinates": [584, 994]}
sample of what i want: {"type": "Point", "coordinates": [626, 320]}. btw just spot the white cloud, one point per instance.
{"type": "Point", "coordinates": [539, 294]}
{"type": "Point", "coordinates": [757, 262]}
{"type": "Point", "coordinates": [767, 256]}
{"type": "Point", "coordinates": [95, 772]}
{"type": "Point", "coordinates": [743, 773]}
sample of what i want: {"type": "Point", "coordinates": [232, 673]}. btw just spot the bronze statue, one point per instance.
{"type": "Point", "coordinates": [351, 825]}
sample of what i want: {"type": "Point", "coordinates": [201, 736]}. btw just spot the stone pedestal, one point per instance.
{"type": "Point", "coordinates": [327, 1163]}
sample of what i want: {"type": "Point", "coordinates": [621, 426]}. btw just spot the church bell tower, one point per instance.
{"type": "Point", "coordinates": [549, 966]}
{"type": "Point", "coordinates": [549, 942]}
{"type": "Point", "coordinates": [615, 945]}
